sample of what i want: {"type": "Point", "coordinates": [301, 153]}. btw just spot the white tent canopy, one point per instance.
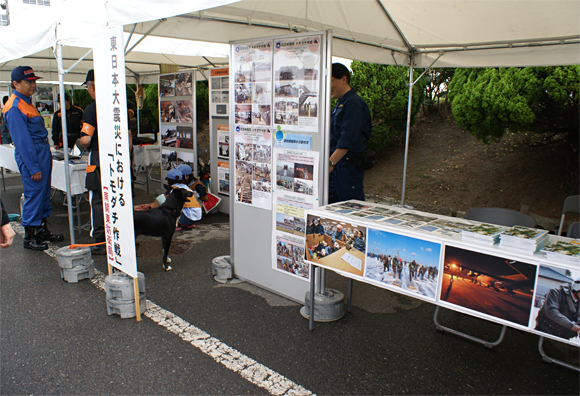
{"type": "Point", "coordinates": [470, 33]}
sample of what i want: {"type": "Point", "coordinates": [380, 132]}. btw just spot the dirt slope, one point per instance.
{"type": "Point", "coordinates": [448, 168]}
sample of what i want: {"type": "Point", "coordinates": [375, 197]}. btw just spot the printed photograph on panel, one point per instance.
{"type": "Point", "coordinates": [244, 151]}
{"type": "Point", "coordinates": [216, 83]}
{"type": "Point", "coordinates": [488, 284]}
{"type": "Point", "coordinates": [184, 111]}
{"type": "Point", "coordinates": [262, 93]}
{"type": "Point", "coordinates": [290, 258]}
{"type": "Point", "coordinates": [403, 262]}
{"type": "Point", "coordinates": [244, 93]}
{"type": "Point", "coordinates": [243, 114]}
{"type": "Point", "coordinates": [183, 85]}
{"type": "Point", "coordinates": [167, 111]}
{"type": "Point", "coordinates": [342, 246]}
{"type": "Point", "coordinates": [262, 172]}
{"type": "Point", "coordinates": [262, 153]}
{"type": "Point", "coordinates": [557, 293]}
{"type": "Point", "coordinates": [167, 85]}
{"type": "Point", "coordinates": [285, 183]}
{"type": "Point", "coordinates": [244, 181]}
{"type": "Point", "coordinates": [172, 159]}
{"type": "Point", "coordinates": [261, 114]}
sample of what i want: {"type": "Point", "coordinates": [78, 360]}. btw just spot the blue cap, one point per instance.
{"type": "Point", "coordinates": [185, 169]}
{"type": "Point", "coordinates": [23, 73]}
{"type": "Point", "coordinates": [174, 174]}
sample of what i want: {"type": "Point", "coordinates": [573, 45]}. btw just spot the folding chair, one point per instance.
{"type": "Point", "coordinates": [573, 230]}
{"type": "Point", "coordinates": [571, 204]}
{"type": "Point", "coordinates": [499, 216]}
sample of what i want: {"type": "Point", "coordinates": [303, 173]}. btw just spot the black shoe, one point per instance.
{"type": "Point", "coordinates": [31, 241]}
{"type": "Point", "coordinates": [99, 250]}
{"type": "Point", "coordinates": [44, 234]}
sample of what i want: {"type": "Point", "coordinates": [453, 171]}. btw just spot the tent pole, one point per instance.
{"type": "Point", "coordinates": [61, 73]}
{"type": "Point", "coordinates": [407, 133]}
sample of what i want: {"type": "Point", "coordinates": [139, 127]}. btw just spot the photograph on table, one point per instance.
{"type": "Point", "coordinates": [401, 262]}
{"type": "Point", "coordinates": [183, 85]}
{"type": "Point", "coordinates": [167, 111]}
{"type": "Point", "coordinates": [184, 111]}
{"type": "Point", "coordinates": [556, 310]}
{"type": "Point", "coordinates": [491, 285]}
{"type": "Point", "coordinates": [290, 257]}
{"type": "Point", "coordinates": [343, 248]}
{"type": "Point", "coordinates": [243, 114]}
{"type": "Point", "coordinates": [172, 159]}
{"type": "Point", "coordinates": [167, 85]}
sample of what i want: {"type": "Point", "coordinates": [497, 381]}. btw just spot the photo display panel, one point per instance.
{"type": "Point", "coordinates": [177, 130]}
{"type": "Point", "coordinates": [252, 76]}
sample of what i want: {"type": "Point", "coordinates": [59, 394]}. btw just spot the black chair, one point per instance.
{"type": "Point", "coordinates": [500, 216]}
{"type": "Point", "coordinates": [574, 230]}
{"type": "Point", "coordinates": [571, 204]}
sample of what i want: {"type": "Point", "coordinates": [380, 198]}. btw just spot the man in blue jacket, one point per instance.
{"type": "Point", "coordinates": [350, 129]}
{"type": "Point", "coordinates": [33, 157]}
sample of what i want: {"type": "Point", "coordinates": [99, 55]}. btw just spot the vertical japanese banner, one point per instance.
{"type": "Point", "coordinates": [114, 149]}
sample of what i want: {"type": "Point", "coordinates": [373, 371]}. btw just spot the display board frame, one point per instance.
{"type": "Point", "coordinates": [252, 252]}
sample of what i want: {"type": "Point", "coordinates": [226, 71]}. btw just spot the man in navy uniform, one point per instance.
{"type": "Point", "coordinates": [349, 131]}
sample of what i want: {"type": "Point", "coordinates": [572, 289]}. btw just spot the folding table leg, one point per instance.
{"type": "Point", "coordinates": [548, 359]}
{"type": "Point", "coordinates": [485, 343]}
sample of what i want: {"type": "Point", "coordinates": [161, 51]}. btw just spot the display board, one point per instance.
{"type": "Point", "coordinates": [219, 102]}
{"type": "Point", "coordinates": [277, 137]}
{"type": "Point", "coordinates": [177, 121]}
{"type": "Point", "coordinates": [463, 265]}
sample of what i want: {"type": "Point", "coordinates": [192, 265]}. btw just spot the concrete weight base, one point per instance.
{"type": "Point", "coordinates": [328, 307]}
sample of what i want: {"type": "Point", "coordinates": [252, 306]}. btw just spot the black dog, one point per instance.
{"type": "Point", "coordinates": [161, 221]}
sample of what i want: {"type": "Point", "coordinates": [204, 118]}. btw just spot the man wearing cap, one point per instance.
{"type": "Point", "coordinates": [350, 129]}
{"type": "Point", "coordinates": [32, 154]}
{"type": "Point", "coordinates": [90, 140]}
{"type": "Point", "coordinates": [74, 119]}
{"type": "Point", "coordinates": [560, 314]}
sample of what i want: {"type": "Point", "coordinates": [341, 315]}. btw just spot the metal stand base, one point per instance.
{"type": "Point", "coordinates": [328, 307]}
{"type": "Point", "coordinates": [485, 343]}
{"type": "Point", "coordinates": [548, 359]}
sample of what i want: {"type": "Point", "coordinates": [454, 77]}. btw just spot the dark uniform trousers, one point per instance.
{"type": "Point", "coordinates": [93, 184]}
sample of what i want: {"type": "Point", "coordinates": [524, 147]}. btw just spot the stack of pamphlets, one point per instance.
{"type": "Point", "coordinates": [523, 239]}
{"type": "Point", "coordinates": [487, 234]}
{"type": "Point", "coordinates": [564, 251]}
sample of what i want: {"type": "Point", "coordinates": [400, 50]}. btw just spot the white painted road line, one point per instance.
{"type": "Point", "coordinates": [247, 368]}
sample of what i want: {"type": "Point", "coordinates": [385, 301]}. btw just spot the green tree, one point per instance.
{"type": "Point", "coordinates": [544, 100]}
{"type": "Point", "coordinates": [386, 93]}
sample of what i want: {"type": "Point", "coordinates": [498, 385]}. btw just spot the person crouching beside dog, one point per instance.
{"type": "Point", "coordinates": [192, 209]}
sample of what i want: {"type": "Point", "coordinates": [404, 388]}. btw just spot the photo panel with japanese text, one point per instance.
{"type": "Point", "coordinates": [290, 258]}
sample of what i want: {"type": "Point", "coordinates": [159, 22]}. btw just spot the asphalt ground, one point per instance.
{"type": "Point", "coordinates": [201, 337]}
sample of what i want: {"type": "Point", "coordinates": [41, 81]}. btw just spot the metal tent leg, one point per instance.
{"type": "Point", "coordinates": [485, 343]}
{"type": "Point", "coordinates": [548, 359]}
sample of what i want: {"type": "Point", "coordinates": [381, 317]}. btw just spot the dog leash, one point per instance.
{"type": "Point", "coordinates": [76, 245]}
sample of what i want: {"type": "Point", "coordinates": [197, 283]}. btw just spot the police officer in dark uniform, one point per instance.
{"type": "Point", "coordinates": [74, 119]}
{"type": "Point", "coordinates": [349, 131]}
{"type": "Point", "coordinates": [90, 140]}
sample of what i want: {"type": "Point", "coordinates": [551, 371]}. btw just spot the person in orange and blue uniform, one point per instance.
{"type": "Point", "coordinates": [33, 157]}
